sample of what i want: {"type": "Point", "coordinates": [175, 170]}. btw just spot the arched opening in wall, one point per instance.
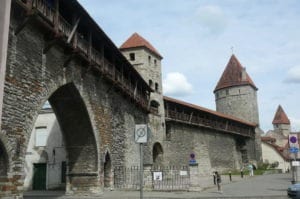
{"type": "Point", "coordinates": [156, 87]}
{"type": "Point", "coordinates": [157, 154]}
{"type": "Point", "coordinates": [150, 83]}
{"type": "Point", "coordinates": [154, 105]}
{"type": "Point", "coordinates": [3, 161]}
{"type": "Point", "coordinates": [64, 132]}
{"type": "Point", "coordinates": [107, 171]}
{"type": "Point", "coordinates": [241, 146]}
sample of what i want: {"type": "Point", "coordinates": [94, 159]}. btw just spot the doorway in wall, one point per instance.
{"type": "Point", "coordinates": [39, 176]}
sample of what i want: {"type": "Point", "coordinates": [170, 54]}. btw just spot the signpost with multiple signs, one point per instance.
{"type": "Point", "coordinates": [294, 149]}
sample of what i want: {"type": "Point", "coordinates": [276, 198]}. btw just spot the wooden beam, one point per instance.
{"type": "Point", "coordinates": [73, 31]}
{"type": "Point", "coordinates": [56, 16]}
{"type": "Point", "coordinates": [90, 46]}
{"type": "Point", "coordinates": [191, 116]}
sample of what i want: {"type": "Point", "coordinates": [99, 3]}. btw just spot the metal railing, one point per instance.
{"type": "Point", "coordinates": [157, 178]}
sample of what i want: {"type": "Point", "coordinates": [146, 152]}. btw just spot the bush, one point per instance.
{"type": "Point", "coordinates": [274, 165]}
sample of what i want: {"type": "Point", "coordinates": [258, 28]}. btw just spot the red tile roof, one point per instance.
{"type": "Point", "coordinates": [268, 139]}
{"type": "Point", "coordinates": [135, 41]}
{"type": "Point", "coordinates": [208, 111]}
{"type": "Point", "coordinates": [232, 75]}
{"type": "Point", "coordinates": [280, 117]}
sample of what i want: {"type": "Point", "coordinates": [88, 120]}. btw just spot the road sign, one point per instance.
{"type": "Point", "coordinates": [293, 140]}
{"type": "Point", "coordinates": [294, 150]}
{"type": "Point", "coordinates": [141, 133]}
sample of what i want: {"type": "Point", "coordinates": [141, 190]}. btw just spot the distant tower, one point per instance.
{"type": "Point", "coordinates": [235, 93]}
{"type": "Point", "coordinates": [281, 122]}
{"type": "Point", "coordinates": [147, 61]}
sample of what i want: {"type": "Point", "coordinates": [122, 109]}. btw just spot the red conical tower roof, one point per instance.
{"type": "Point", "coordinates": [280, 117]}
{"type": "Point", "coordinates": [233, 75]}
{"type": "Point", "coordinates": [136, 41]}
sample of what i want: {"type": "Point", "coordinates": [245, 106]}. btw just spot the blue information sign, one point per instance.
{"type": "Point", "coordinates": [294, 150]}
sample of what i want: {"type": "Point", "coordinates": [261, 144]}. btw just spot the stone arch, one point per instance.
{"type": "Point", "coordinates": [43, 157]}
{"type": "Point", "coordinates": [157, 154]}
{"type": "Point", "coordinates": [107, 170]}
{"type": "Point", "coordinates": [80, 141]}
{"type": "Point", "coordinates": [154, 105]}
{"type": "Point", "coordinates": [5, 156]}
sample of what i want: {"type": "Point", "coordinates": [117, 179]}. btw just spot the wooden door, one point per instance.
{"type": "Point", "coordinates": [39, 176]}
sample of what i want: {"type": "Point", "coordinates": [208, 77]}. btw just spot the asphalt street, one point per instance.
{"type": "Point", "coordinates": [264, 186]}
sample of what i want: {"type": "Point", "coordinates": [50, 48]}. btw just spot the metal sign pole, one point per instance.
{"type": "Point", "coordinates": [141, 171]}
{"type": "Point", "coordinates": [141, 136]}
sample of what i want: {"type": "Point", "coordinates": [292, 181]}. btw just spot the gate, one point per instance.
{"type": "Point", "coordinates": [156, 178]}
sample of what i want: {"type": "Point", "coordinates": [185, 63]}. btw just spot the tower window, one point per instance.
{"type": "Point", "coordinates": [154, 106]}
{"type": "Point", "coordinates": [150, 83]}
{"type": "Point", "coordinates": [155, 62]}
{"type": "Point", "coordinates": [132, 56]}
{"type": "Point", "coordinates": [41, 136]}
{"type": "Point", "coordinates": [156, 86]}
{"type": "Point", "coordinates": [149, 59]}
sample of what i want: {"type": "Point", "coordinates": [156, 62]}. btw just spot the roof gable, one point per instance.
{"type": "Point", "coordinates": [135, 41]}
{"type": "Point", "coordinates": [280, 117]}
{"type": "Point", "coordinates": [233, 75]}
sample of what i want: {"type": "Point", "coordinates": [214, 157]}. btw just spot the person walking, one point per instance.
{"type": "Point", "coordinates": [215, 178]}
{"type": "Point", "coordinates": [242, 172]}
{"type": "Point", "coordinates": [218, 178]}
{"type": "Point", "coordinates": [250, 167]}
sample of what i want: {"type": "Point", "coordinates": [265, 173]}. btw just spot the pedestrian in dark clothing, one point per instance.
{"type": "Point", "coordinates": [230, 176]}
{"type": "Point", "coordinates": [215, 178]}
{"type": "Point", "coordinates": [218, 177]}
{"type": "Point", "coordinates": [242, 172]}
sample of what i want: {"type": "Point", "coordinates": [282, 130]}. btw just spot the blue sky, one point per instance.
{"type": "Point", "coordinates": [196, 37]}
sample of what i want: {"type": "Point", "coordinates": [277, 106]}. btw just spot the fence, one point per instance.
{"type": "Point", "coordinates": [156, 178]}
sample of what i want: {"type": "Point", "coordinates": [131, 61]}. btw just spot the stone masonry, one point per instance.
{"type": "Point", "coordinates": [94, 115]}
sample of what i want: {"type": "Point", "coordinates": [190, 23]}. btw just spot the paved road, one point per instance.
{"type": "Point", "coordinates": [266, 186]}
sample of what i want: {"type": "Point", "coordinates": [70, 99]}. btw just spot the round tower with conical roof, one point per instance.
{"type": "Point", "coordinates": [235, 93]}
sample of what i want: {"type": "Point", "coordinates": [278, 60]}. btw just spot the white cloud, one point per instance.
{"type": "Point", "coordinates": [293, 75]}
{"type": "Point", "coordinates": [175, 84]}
{"type": "Point", "coordinates": [212, 18]}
